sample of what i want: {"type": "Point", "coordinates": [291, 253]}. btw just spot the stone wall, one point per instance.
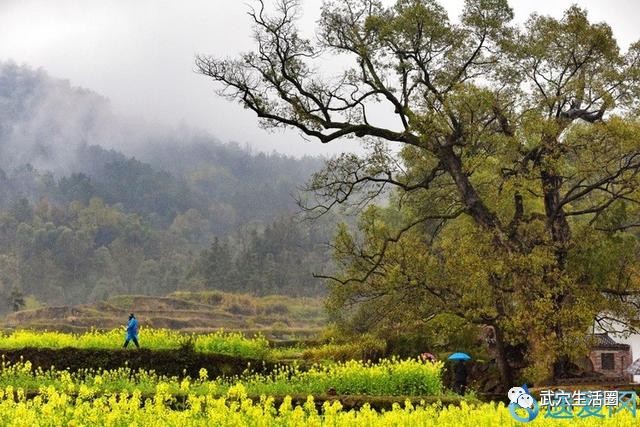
{"type": "Point", "coordinates": [621, 358]}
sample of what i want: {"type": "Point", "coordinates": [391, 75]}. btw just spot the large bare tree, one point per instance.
{"type": "Point", "coordinates": [530, 133]}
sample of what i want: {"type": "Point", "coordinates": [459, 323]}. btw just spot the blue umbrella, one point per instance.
{"type": "Point", "coordinates": [459, 356]}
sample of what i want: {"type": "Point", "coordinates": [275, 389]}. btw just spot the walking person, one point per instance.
{"type": "Point", "coordinates": [132, 331]}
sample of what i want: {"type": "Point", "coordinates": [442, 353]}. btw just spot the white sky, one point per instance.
{"type": "Point", "coordinates": [139, 53]}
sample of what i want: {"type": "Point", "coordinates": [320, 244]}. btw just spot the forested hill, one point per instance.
{"type": "Point", "coordinates": [60, 131]}
{"type": "Point", "coordinates": [93, 205]}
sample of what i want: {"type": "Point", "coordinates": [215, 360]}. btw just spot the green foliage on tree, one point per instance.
{"type": "Point", "coordinates": [77, 253]}
{"type": "Point", "coordinates": [16, 300]}
{"type": "Point", "coordinates": [511, 165]}
{"type": "Point", "coordinates": [280, 258]}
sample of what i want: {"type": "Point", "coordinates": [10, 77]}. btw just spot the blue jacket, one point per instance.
{"type": "Point", "coordinates": [132, 329]}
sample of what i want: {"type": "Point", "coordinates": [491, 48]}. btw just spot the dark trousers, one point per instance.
{"type": "Point", "coordinates": [135, 341]}
{"type": "Point", "coordinates": [460, 387]}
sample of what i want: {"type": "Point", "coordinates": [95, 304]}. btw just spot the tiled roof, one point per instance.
{"type": "Point", "coordinates": [605, 341]}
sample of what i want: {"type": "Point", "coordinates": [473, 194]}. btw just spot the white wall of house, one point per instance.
{"type": "Point", "coordinates": [634, 342]}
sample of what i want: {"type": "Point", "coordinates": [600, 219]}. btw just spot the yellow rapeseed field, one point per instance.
{"type": "Point", "coordinates": [55, 408]}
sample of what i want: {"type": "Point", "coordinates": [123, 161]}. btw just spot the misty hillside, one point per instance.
{"type": "Point", "coordinates": [94, 205]}
{"type": "Point", "coordinates": [62, 130]}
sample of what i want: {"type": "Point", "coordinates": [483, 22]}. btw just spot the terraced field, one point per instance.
{"type": "Point", "coordinates": [278, 318]}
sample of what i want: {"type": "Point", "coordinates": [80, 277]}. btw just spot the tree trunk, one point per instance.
{"type": "Point", "coordinates": [556, 219]}
{"type": "Point", "coordinates": [560, 232]}
{"type": "Point", "coordinates": [506, 373]}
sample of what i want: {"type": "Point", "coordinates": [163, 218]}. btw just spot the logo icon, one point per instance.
{"type": "Point", "coordinates": [520, 398]}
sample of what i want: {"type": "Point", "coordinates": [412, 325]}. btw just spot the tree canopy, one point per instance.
{"type": "Point", "coordinates": [512, 164]}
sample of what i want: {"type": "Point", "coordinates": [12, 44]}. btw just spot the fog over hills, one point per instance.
{"type": "Point", "coordinates": [94, 205]}
{"type": "Point", "coordinates": [45, 120]}
{"type": "Point", "coordinates": [57, 128]}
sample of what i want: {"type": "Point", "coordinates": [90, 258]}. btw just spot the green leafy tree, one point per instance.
{"type": "Point", "coordinates": [190, 226]}
{"type": "Point", "coordinates": [16, 299]}
{"type": "Point", "coordinates": [514, 150]}
{"type": "Point", "coordinates": [215, 266]}
{"type": "Point", "coordinates": [21, 210]}
{"type": "Point", "coordinates": [78, 186]}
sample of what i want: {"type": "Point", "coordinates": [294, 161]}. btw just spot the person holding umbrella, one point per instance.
{"type": "Point", "coordinates": [460, 372]}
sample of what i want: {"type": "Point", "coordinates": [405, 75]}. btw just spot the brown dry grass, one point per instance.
{"type": "Point", "coordinates": [276, 317]}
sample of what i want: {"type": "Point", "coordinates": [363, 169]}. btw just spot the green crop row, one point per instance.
{"type": "Point", "coordinates": [232, 344]}
{"type": "Point", "coordinates": [389, 377]}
